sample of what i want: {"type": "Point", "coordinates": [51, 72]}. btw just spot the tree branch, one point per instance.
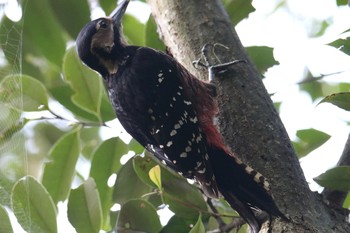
{"type": "Point", "coordinates": [248, 120]}
{"type": "Point", "coordinates": [337, 198]}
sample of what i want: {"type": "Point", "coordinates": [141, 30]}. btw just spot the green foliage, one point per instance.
{"type": "Point", "coordinates": [309, 140]}
{"type": "Point", "coordinates": [337, 178]}
{"type": "Point", "coordinates": [5, 226]}
{"type": "Point", "coordinates": [341, 100]}
{"type": "Point", "coordinates": [33, 206]}
{"type": "Point", "coordinates": [84, 209]}
{"type": "Point", "coordinates": [40, 71]}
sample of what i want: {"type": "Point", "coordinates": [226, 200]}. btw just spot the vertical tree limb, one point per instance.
{"type": "Point", "coordinates": [248, 120]}
{"type": "Point", "coordinates": [334, 197]}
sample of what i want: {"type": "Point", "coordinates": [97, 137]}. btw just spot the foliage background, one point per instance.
{"type": "Point", "coordinates": [55, 115]}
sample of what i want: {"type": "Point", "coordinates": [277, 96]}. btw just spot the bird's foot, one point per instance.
{"type": "Point", "coordinates": [210, 60]}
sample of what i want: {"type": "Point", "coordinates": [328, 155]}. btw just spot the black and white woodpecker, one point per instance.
{"type": "Point", "coordinates": [170, 112]}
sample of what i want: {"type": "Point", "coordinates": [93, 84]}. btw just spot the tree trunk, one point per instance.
{"type": "Point", "coordinates": [248, 120]}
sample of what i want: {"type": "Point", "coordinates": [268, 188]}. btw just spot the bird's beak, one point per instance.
{"type": "Point", "coordinates": [118, 13]}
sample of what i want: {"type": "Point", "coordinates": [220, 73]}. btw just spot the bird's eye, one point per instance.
{"type": "Point", "coordinates": [103, 24]}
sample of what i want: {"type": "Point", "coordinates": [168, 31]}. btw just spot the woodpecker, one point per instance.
{"type": "Point", "coordinates": [170, 112]}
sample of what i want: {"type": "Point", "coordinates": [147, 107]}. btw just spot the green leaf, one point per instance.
{"type": "Point", "coordinates": [341, 100]}
{"type": "Point", "coordinates": [310, 139]}
{"type": "Point", "coordinates": [343, 43]}
{"type": "Point", "coordinates": [123, 191]}
{"type": "Point", "coordinates": [184, 200]}
{"type": "Point", "coordinates": [138, 216]}
{"type": "Point", "coordinates": [84, 210]}
{"type": "Point", "coordinates": [33, 206]}
{"type": "Point", "coordinates": [87, 88]}
{"type": "Point", "coordinates": [48, 38]}
{"type": "Point", "coordinates": [199, 227]}
{"type": "Point", "coordinates": [178, 224]}
{"type": "Point", "coordinates": [342, 2]}
{"type": "Point", "coordinates": [78, 8]}
{"type": "Point", "coordinates": [108, 6]}
{"type": "Point", "coordinates": [151, 36]}
{"type": "Point", "coordinates": [10, 122]}
{"type": "Point", "coordinates": [142, 166]}
{"type": "Point", "coordinates": [262, 57]}
{"type": "Point", "coordinates": [18, 91]}
{"type": "Point", "coordinates": [5, 226]}
{"type": "Point", "coordinates": [154, 175]}
{"type": "Point", "coordinates": [59, 171]}
{"type": "Point", "coordinates": [134, 30]}
{"type": "Point", "coordinates": [337, 178]}
{"type": "Point", "coordinates": [5, 190]}
{"type": "Point", "coordinates": [238, 9]}
{"type": "Point", "coordinates": [106, 162]}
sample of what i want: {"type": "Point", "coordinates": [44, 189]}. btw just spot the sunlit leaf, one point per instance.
{"type": "Point", "coordinates": [84, 210]}
{"type": "Point", "coordinates": [155, 176]}
{"type": "Point", "coordinates": [310, 139]}
{"type": "Point", "coordinates": [341, 100]}
{"type": "Point", "coordinates": [59, 171]}
{"type": "Point", "coordinates": [5, 226]}
{"type": "Point", "coordinates": [33, 206]}
{"type": "Point", "coordinates": [105, 163]}
{"type": "Point", "coordinates": [337, 178]}
{"type": "Point", "coordinates": [18, 92]}
{"type": "Point", "coordinates": [88, 91]}
{"type": "Point", "coordinates": [262, 57]}
{"type": "Point", "coordinates": [138, 216]}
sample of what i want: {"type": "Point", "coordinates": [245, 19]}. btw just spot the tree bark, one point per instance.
{"type": "Point", "coordinates": [248, 120]}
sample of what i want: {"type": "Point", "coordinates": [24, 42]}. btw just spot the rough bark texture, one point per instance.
{"type": "Point", "coordinates": [248, 120]}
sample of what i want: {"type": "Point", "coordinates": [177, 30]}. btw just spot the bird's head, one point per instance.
{"type": "Point", "coordinates": [100, 42]}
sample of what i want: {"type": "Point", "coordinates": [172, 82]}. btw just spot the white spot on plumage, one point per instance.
{"type": "Point", "coordinates": [201, 171]}
{"type": "Point", "coordinates": [178, 93]}
{"type": "Point", "coordinates": [188, 149]}
{"type": "Point", "coordinates": [166, 114]}
{"type": "Point", "coordinates": [161, 146]}
{"type": "Point", "coordinates": [174, 99]}
{"type": "Point", "coordinates": [169, 143]}
{"type": "Point", "coordinates": [177, 126]}
{"type": "Point", "coordinates": [163, 161]}
{"type": "Point", "coordinates": [160, 74]}
{"type": "Point", "coordinates": [194, 119]}
{"type": "Point", "coordinates": [174, 161]}
{"type": "Point", "coordinates": [150, 110]}
{"type": "Point", "coordinates": [173, 132]}
{"type": "Point", "coordinates": [153, 118]}
{"type": "Point", "coordinates": [187, 102]}
{"type": "Point", "coordinates": [180, 87]}
{"type": "Point", "coordinates": [199, 138]}
{"type": "Point", "coordinates": [206, 156]}
{"type": "Point", "coordinates": [170, 70]}
{"type": "Point", "coordinates": [183, 155]}
{"type": "Point", "coordinates": [171, 105]}
{"type": "Point", "coordinates": [181, 122]}
{"type": "Point", "coordinates": [160, 80]}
